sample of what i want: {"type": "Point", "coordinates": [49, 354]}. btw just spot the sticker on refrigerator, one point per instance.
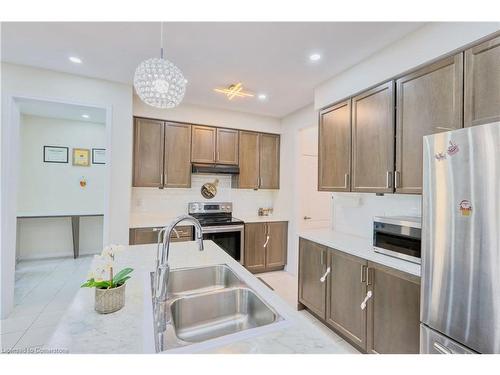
{"type": "Point", "coordinates": [453, 149]}
{"type": "Point", "coordinates": [465, 208]}
{"type": "Point", "coordinates": [440, 156]}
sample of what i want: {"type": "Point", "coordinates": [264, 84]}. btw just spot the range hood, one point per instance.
{"type": "Point", "coordinates": [215, 168]}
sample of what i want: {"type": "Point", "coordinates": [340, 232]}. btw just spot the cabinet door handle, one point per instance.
{"type": "Point", "coordinates": [363, 273]}
{"type": "Point", "coordinates": [389, 180]}
{"type": "Point", "coordinates": [323, 278]}
{"type": "Point", "coordinates": [369, 276]}
{"type": "Point", "coordinates": [441, 348]}
{"type": "Point", "coordinates": [368, 296]}
{"type": "Point", "coordinates": [218, 155]}
{"type": "Point", "coordinates": [267, 241]}
{"type": "Point", "coordinates": [346, 180]}
{"type": "Point", "coordinates": [396, 179]}
{"type": "Point", "coordinates": [161, 181]}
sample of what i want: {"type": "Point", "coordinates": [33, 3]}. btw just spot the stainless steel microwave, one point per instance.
{"type": "Point", "coordinates": [398, 236]}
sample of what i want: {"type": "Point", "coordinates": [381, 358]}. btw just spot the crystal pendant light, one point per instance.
{"type": "Point", "coordinates": [158, 82]}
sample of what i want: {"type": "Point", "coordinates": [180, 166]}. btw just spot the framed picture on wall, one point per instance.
{"type": "Point", "coordinates": [55, 154]}
{"type": "Point", "coordinates": [81, 157]}
{"type": "Point", "coordinates": [98, 156]}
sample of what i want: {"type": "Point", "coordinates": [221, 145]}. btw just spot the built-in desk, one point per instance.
{"type": "Point", "coordinates": [75, 226]}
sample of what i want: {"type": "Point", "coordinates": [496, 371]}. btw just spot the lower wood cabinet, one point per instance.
{"type": "Point", "coordinates": [312, 266]}
{"type": "Point", "coordinates": [142, 236]}
{"type": "Point", "coordinates": [333, 284]}
{"type": "Point", "coordinates": [393, 313]}
{"type": "Point", "coordinates": [346, 288]}
{"type": "Point", "coordinates": [265, 246]}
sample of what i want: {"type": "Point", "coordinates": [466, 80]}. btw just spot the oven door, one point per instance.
{"type": "Point", "coordinates": [229, 237]}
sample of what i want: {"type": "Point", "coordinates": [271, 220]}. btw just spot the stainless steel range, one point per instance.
{"type": "Point", "coordinates": [219, 225]}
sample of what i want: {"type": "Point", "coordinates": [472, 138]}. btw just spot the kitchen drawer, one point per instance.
{"type": "Point", "coordinates": [141, 236]}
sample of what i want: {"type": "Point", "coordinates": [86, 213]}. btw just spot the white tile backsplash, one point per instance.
{"type": "Point", "coordinates": [172, 202]}
{"type": "Point", "coordinates": [353, 212]}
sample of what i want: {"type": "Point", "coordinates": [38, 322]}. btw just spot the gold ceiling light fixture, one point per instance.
{"type": "Point", "coordinates": [233, 91]}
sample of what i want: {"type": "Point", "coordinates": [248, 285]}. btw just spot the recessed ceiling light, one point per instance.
{"type": "Point", "coordinates": [262, 96]}
{"type": "Point", "coordinates": [75, 59]}
{"type": "Point", "coordinates": [85, 116]}
{"type": "Point", "coordinates": [315, 57]}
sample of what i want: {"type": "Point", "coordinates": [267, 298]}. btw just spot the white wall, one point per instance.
{"type": "Point", "coordinates": [209, 116]}
{"type": "Point", "coordinates": [287, 197]}
{"type": "Point", "coordinates": [22, 81]}
{"type": "Point", "coordinates": [353, 212]}
{"type": "Point", "coordinates": [422, 46]}
{"type": "Point", "coordinates": [54, 189]}
{"type": "Point", "coordinates": [173, 202]}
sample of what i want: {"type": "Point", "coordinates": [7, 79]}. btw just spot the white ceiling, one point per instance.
{"type": "Point", "coordinates": [271, 58]}
{"type": "Point", "coordinates": [61, 111]}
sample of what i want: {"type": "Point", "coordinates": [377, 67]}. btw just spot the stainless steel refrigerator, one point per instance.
{"type": "Point", "coordinates": [460, 302]}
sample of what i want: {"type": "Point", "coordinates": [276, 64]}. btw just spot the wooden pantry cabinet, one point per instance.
{"type": "Point", "coordinates": [482, 83]}
{"type": "Point", "coordinates": [333, 284]}
{"type": "Point", "coordinates": [373, 140]}
{"type": "Point", "coordinates": [429, 102]}
{"type": "Point", "coordinates": [265, 246]}
{"type": "Point", "coordinates": [259, 161]}
{"type": "Point", "coordinates": [161, 154]}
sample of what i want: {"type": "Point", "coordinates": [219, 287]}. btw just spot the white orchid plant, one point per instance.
{"type": "Point", "coordinates": [101, 275]}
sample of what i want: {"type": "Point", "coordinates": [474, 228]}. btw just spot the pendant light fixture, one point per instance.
{"type": "Point", "coordinates": [158, 82]}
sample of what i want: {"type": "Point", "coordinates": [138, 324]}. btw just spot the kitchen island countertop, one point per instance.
{"type": "Point", "coordinates": [130, 330]}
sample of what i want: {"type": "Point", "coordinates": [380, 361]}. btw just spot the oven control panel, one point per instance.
{"type": "Point", "coordinates": [210, 207]}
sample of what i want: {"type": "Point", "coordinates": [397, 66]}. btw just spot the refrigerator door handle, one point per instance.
{"type": "Point", "coordinates": [441, 348]}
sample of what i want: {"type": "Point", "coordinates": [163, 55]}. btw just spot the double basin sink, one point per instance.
{"type": "Point", "coordinates": [205, 303]}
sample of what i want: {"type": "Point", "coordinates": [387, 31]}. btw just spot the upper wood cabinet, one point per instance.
{"type": "Point", "coordinates": [269, 161]}
{"type": "Point", "coordinates": [334, 154]}
{"type": "Point", "coordinates": [429, 101]}
{"type": "Point", "coordinates": [203, 144]}
{"type": "Point", "coordinates": [373, 140]}
{"type": "Point", "coordinates": [312, 266]}
{"type": "Point", "coordinates": [259, 161]}
{"type": "Point", "coordinates": [265, 246]}
{"type": "Point", "coordinates": [482, 83]}
{"type": "Point", "coordinates": [345, 291]}
{"type": "Point", "coordinates": [249, 156]}
{"type": "Point", "coordinates": [227, 146]}
{"type": "Point", "coordinates": [148, 153]}
{"type": "Point", "coordinates": [162, 154]}
{"type": "Point", "coordinates": [177, 162]}
{"type": "Point", "coordinates": [393, 318]}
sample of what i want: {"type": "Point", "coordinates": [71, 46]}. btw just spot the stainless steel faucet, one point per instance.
{"type": "Point", "coordinates": [163, 252]}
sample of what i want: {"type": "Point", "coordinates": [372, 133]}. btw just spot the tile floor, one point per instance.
{"type": "Point", "coordinates": [43, 291]}
{"type": "Point", "coordinates": [45, 288]}
{"type": "Point", "coordinates": [286, 286]}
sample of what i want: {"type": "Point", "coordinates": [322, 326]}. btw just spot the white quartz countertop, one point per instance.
{"type": "Point", "coordinates": [130, 330]}
{"type": "Point", "coordinates": [144, 220]}
{"type": "Point", "coordinates": [262, 219]}
{"type": "Point", "coordinates": [358, 246]}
